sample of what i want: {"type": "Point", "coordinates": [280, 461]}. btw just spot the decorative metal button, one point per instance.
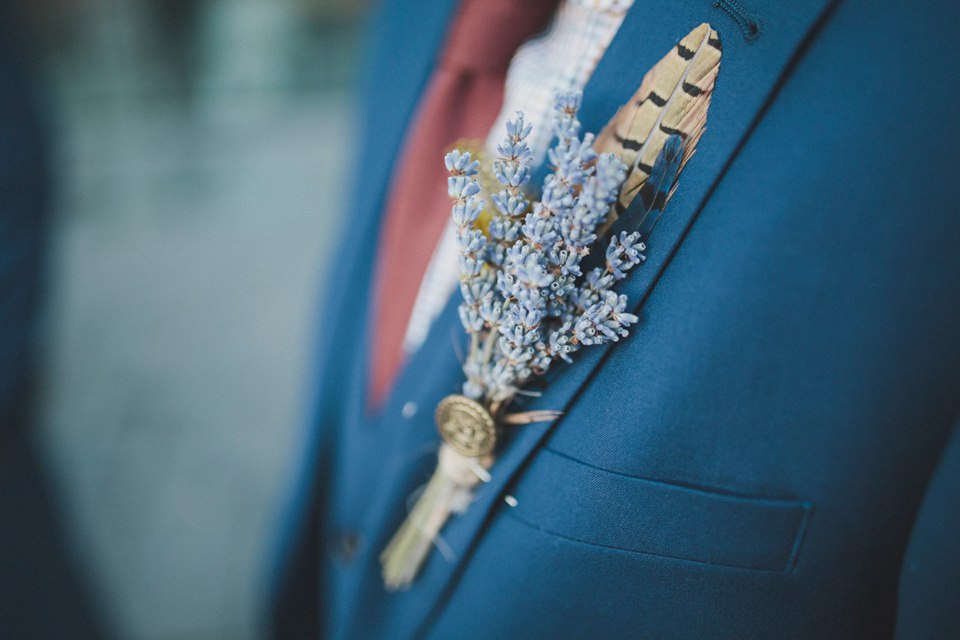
{"type": "Point", "coordinates": [466, 426]}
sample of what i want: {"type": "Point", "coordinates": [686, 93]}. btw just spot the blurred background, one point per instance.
{"type": "Point", "coordinates": [198, 151]}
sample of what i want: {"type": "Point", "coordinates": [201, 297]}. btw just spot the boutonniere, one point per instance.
{"type": "Point", "coordinates": [535, 287]}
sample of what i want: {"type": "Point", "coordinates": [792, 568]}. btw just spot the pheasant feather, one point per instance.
{"type": "Point", "coordinates": [672, 100]}
{"type": "Point", "coordinates": [644, 210]}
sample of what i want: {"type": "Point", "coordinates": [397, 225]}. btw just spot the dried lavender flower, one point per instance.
{"type": "Point", "coordinates": [526, 300]}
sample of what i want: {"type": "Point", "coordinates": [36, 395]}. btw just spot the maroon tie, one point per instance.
{"type": "Point", "coordinates": [461, 101]}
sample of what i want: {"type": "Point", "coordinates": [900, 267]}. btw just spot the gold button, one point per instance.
{"type": "Point", "coordinates": [466, 426]}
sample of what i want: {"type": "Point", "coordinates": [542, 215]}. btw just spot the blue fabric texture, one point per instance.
{"type": "Point", "coordinates": [751, 461]}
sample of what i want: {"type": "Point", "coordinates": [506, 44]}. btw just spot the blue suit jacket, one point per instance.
{"type": "Point", "coordinates": [751, 462]}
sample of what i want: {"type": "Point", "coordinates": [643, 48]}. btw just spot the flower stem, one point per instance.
{"type": "Point", "coordinates": [488, 345]}
{"type": "Point", "coordinates": [474, 354]}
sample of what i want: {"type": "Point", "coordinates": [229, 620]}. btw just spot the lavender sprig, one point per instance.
{"type": "Point", "coordinates": [476, 280]}
{"type": "Point", "coordinates": [526, 300]}
{"type": "Point", "coordinates": [512, 170]}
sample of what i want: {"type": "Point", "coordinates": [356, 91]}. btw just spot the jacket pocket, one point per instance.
{"type": "Point", "coordinates": [571, 499]}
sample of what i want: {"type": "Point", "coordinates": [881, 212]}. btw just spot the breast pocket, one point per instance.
{"type": "Point", "coordinates": [570, 499]}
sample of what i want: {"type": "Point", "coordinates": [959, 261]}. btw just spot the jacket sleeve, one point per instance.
{"type": "Point", "coordinates": [929, 599]}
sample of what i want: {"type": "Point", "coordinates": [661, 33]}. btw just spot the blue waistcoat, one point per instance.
{"type": "Point", "coordinates": [752, 461]}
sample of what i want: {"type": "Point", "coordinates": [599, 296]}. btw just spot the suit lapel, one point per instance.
{"type": "Point", "coordinates": [749, 76]}
{"type": "Point", "coordinates": [407, 38]}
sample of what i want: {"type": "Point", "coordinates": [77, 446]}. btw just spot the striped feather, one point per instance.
{"type": "Point", "coordinates": [672, 100]}
{"type": "Point", "coordinates": [644, 210]}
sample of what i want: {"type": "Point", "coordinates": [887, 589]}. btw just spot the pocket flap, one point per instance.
{"type": "Point", "coordinates": [571, 499]}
